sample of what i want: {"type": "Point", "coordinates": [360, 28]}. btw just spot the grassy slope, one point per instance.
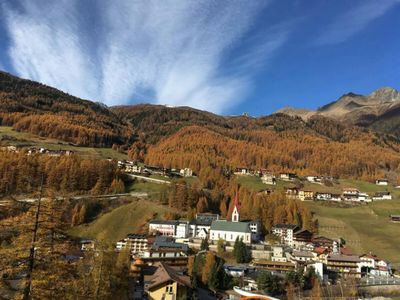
{"type": "Point", "coordinates": [116, 224]}
{"type": "Point", "coordinates": [25, 138]}
{"type": "Point", "coordinates": [365, 228]}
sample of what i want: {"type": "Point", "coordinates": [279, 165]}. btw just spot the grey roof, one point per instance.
{"type": "Point", "coordinates": [223, 225]}
{"type": "Point", "coordinates": [168, 242]}
{"type": "Point", "coordinates": [302, 253]}
{"type": "Point", "coordinates": [167, 222]}
{"type": "Point", "coordinates": [341, 257]}
{"type": "Point", "coordinates": [204, 219]}
{"type": "Point", "coordinates": [285, 226]}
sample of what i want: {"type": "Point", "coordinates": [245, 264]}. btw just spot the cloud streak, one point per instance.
{"type": "Point", "coordinates": [353, 21]}
{"type": "Point", "coordinates": [167, 52]}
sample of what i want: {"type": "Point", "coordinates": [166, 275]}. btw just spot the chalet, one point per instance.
{"type": "Point", "coordinates": [167, 283]}
{"type": "Point", "coordinates": [242, 171]}
{"type": "Point", "coordinates": [87, 244]}
{"type": "Point", "coordinates": [165, 249]}
{"type": "Point", "coordinates": [382, 196]}
{"type": "Point", "coordinates": [382, 268]}
{"type": "Point", "coordinates": [292, 192]}
{"type": "Point", "coordinates": [382, 182]}
{"type": "Point", "coordinates": [301, 238]}
{"type": "Point", "coordinates": [186, 172]}
{"type": "Point", "coordinates": [268, 178]}
{"type": "Point", "coordinates": [328, 196]}
{"type": "Point", "coordinates": [395, 218]}
{"type": "Point", "coordinates": [285, 232]}
{"type": "Point", "coordinates": [288, 176]}
{"type": "Point", "coordinates": [367, 263]}
{"type": "Point", "coordinates": [306, 195]}
{"type": "Point", "coordinates": [275, 267]}
{"type": "Point", "coordinates": [324, 242]}
{"type": "Point", "coordinates": [302, 256]}
{"type": "Point", "coordinates": [314, 179]}
{"type": "Point", "coordinates": [352, 194]}
{"type": "Point", "coordinates": [344, 265]}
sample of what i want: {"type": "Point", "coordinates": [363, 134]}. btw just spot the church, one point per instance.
{"type": "Point", "coordinates": [229, 231]}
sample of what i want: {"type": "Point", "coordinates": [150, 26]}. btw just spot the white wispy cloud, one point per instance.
{"type": "Point", "coordinates": [168, 52]}
{"type": "Point", "coordinates": [353, 21]}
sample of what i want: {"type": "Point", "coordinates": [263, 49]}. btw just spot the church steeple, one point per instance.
{"type": "Point", "coordinates": [235, 213]}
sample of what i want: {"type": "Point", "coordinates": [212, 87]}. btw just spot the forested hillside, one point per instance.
{"type": "Point", "coordinates": [208, 143]}
{"type": "Point", "coordinates": [32, 107]}
{"type": "Point", "coordinates": [299, 150]}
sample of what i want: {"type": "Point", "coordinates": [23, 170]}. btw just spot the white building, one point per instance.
{"type": "Point", "coordinates": [200, 226]}
{"type": "Point", "coordinates": [186, 172]}
{"type": "Point", "coordinates": [163, 227]}
{"type": "Point", "coordinates": [229, 231]}
{"type": "Point", "coordinates": [268, 178]}
{"type": "Point", "coordinates": [285, 232]}
{"type": "Point", "coordinates": [137, 243]}
{"type": "Point", "coordinates": [278, 254]}
{"type": "Point", "coordinates": [328, 197]}
{"type": "Point", "coordinates": [382, 196]}
{"type": "Point", "coordinates": [178, 229]}
{"type": "Point", "coordinates": [382, 182]}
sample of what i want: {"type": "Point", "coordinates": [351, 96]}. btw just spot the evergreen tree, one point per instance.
{"type": "Point", "coordinates": [204, 244]}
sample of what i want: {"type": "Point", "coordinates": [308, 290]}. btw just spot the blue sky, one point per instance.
{"type": "Point", "coordinates": [228, 57]}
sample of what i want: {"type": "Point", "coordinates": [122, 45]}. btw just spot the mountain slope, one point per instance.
{"type": "Point", "coordinates": [379, 110]}
{"type": "Point", "coordinates": [33, 107]}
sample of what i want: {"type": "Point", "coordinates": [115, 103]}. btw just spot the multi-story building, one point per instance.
{"type": "Point", "coordinates": [344, 265]}
{"type": "Point", "coordinates": [306, 195]}
{"type": "Point", "coordinates": [136, 243]}
{"type": "Point", "coordinates": [285, 232]}
{"type": "Point", "coordinates": [200, 226]}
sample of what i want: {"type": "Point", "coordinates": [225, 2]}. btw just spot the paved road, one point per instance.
{"type": "Point", "coordinates": [150, 179]}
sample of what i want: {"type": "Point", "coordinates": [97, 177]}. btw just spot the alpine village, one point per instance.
{"type": "Point", "coordinates": [159, 202]}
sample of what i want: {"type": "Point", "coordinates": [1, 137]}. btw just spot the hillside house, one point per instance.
{"type": "Point", "coordinates": [382, 182]}
{"type": "Point", "coordinates": [292, 192]}
{"type": "Point", "coordinates": [268, 178]}
{"type": "Point", "coordinates": [242, 171]}
{"type": "Point", "coordinates": [186, 172]}
{"type": "Point", "coordinates": [344, 265]}
{"type": "Point", "coordinates": [395, 218]}
{"type": "Point", "coordinates": [328, 196]}
{"type": "Point", "coordinates": [305, 195]}
{"type": "Point", "coordinates": [301, 257]}
{"type": "Point", "coordinates": [314, 179]}
{"type": "Point", "coordinates": [382, 196]}
{"type": "Point", "coordinates": [285, 232]}
{"type": "Point", "coordinates": [167, 283]}
{"type": "Point", "coordinates": [288, 176]}
{"type": "Point", "coordinates": [301, 238]}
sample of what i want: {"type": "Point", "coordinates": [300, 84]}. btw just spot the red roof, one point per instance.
{"type": "Point", "coordinates": [345, 251]}
{"type": "Point", "coordinates": [320, 250]}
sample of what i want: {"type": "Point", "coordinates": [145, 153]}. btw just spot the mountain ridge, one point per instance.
{"type": "Point", "coordinates": [372, 111]}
